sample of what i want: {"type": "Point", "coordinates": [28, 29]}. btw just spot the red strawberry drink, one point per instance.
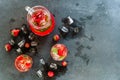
{"type": "Point", "coordinates": [23, 63]}
{"type": "Point", "coordinates": [41, 21]}
{"type": "Point", "coordinates": [59, 52]}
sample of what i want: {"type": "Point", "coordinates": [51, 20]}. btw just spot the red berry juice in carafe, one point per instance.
{"type": "Point", "coordinates": [41, 21]}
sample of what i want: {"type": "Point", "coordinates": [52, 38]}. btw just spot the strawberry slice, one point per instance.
{"type": "Point", "coordinates": [28, 65]}
{"type": "Point", "coordinates": [37, 20]}
{"type": "Point", "coordinates": [8, 47]}
{"type": "Point", "coordinates": [20, 58]}
{"type": "Point", "coordinates": [38, 17]}
{"type": "Point", "coordinates": [56, 37]}
{"type": "Point", "coordinates": [15, 32]}
{"type": "Point", "coordinates": [61, 52]}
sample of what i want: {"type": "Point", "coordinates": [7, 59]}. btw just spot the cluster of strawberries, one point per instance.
{"type": "Point", "coordinates": [22, 40]}
{"type": "Point", "coordinates": [14, 33]}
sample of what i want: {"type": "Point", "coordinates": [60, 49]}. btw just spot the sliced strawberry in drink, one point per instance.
{"type": "Point", "coordinates": [20, 58]}
{"type": "Point", "coordinates": [38, 17]}
{"type": "Point", "coordinates": [21, 62]}
{"type": "Point", "coordinates": [61, 52]}
{"type": "Point", "coordinates": [28, 65]}
{"type": "Point", "coordinates": [37, 20]}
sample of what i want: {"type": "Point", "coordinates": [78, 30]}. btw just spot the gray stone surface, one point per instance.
{"type": "Point", "coordinates": [93, 55]}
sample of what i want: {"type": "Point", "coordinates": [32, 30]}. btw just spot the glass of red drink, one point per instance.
{"type": "Point", "coordinates": [41, 21]}
{"type": "Point", "coordinates": [59, 52]}
{"type": "Point", "coordinates": [23, 63]}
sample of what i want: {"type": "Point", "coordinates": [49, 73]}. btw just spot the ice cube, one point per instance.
{"type": "Point", "coordinates": [39, 73]}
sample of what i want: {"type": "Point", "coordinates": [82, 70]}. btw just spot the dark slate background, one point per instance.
{"type": "Point", "coordinates": [93, 55]}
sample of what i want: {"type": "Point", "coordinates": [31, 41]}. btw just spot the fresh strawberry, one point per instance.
{"type": "Point", "coordinates": [27, 45]}
{"type": "Point", "coordinates": [51, 74]}
{"type": "Point", "coordinates": [8, 47]}
{"type": "Point", "coordinates": [56, 37]}
{"type": "Point", "coordinates": [15, 32]}
{"type": "Point", "coordinates": [60, 52]}
{"type": "Point", "coordinates": [64, 63]}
